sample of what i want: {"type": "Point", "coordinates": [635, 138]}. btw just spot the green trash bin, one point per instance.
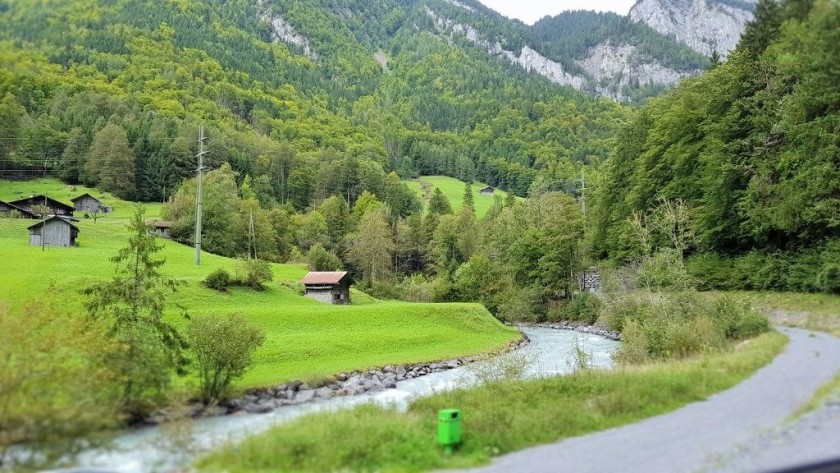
{"type": "Point", "coordinates": [449, 428]}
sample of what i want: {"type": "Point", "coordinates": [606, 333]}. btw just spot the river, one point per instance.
{"type": "Point", "coordinates": [175, 446]}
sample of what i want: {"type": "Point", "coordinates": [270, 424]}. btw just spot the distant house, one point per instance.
{"type": "Point", "coordinates": [328, 287]}
{"type": "Point", "coordinates": [89, 203]}
{"type": "Point", "coordinates": [160, 228]}
{"type": "Point", "coordinates": [8, 210]}
{"type": "Point", "coordinates": [54, 231]}
{"type": "Point", "coordinates": [36, 203]}
{"type": "Point", "coordinates": [487, 191]}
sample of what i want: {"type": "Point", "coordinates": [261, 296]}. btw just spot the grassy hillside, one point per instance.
{"type": "Point", "coordinates": [304, 338]}
{"type": "Point", "coordinates": [453, 189]}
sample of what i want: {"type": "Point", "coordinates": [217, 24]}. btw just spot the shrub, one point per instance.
{"type": "Point", "coordinates": [320, 259]}
{"type": "Point", "coordinates": [253, 273]}
{"type": "Point", "coordinates": [223, 348]}
{"type": "Point", "coordinates": [751, 324]}
{"type": "Point", "coordinates": [295, 286]}
{"type": "Point", "coordinates": [584, 308]}
{"type": "Point", "coordinates": [634, 345]}
{"type": "Point", "coordinates": [219, 280]}
{"type": "Point", "coordinates": [416, 288]}
{"type": "Point", "coordinates": [56, 381]}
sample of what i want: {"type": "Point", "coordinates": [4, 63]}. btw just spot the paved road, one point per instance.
{"type": "Point", "coordinates": [730, 431]}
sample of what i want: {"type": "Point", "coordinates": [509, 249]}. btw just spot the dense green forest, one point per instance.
{"type": "Point", "coordinates": [154, 71]}
{"type": "Point", "coordinates": [315, 140]}
{"type": "Point", "coordinates": [752, 148]}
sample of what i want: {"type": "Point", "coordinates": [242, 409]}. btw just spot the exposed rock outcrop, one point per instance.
{"type": "Point", "coordinates": [703, 25]}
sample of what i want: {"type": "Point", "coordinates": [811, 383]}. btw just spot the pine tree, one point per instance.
{"type": "Point", "coordinates": [133, 302]}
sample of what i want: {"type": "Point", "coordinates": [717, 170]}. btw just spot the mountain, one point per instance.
{"type": "Point", "coordinates": [703, 25]}
{"type": "Point", "coordinates": [307, 98]}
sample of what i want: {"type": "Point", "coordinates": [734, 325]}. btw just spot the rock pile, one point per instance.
{"type": "Point", "coordinates": [599, 330]}
{"type": "Point", "coordinates": [264, 400]}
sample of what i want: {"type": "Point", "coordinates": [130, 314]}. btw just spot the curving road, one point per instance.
{"type": "Point", "coordinates": [735, 430]}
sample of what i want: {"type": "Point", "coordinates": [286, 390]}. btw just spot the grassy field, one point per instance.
{"type": "Point", "coordinates": [453, 189]}
{"type": "Point", "coordinates": [304, 338]}
{"type": "Point", "coordinates": [498, 418]}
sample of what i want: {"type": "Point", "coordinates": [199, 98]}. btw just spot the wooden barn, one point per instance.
{"type": "Point", "coordinates": [159, 228]}
{"type": "Point", "coordinates": [89, 203]}
{"type": "Point", "coordinates": [35, 203]}
{"type": "Point", "coordinates": [54, 231]}
{"type": "Point", "coordinates": [487, 191]}
{"type": "Point", "coordinates": [12, 211]}
{"type": "Point", "coordinates": [328, 287]}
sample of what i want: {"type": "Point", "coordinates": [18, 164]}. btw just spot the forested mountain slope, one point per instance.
{"type": "Point", "coordinates": [306, 98]}
{"type": "Point", "coordinates": [753, 148]}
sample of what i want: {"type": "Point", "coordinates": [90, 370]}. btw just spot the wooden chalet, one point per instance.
{"type": "Point", "coordinates": [487, 191]}
{"type": "Point", "coordinates": [159, 228]}
{"type": "Point", "coordinates": [328, 287]}
{"type": "Point", "coordinates": [54, 231]}
{"type": "Point", "coordinates": [12, 211]}
{"type": "Point", "coordinates": [35, 203]}
{"type": "Point", "coordinates": [89, 203]}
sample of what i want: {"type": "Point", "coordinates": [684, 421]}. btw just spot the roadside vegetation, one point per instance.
{"type": "Point", "coordinates": [499, 417]}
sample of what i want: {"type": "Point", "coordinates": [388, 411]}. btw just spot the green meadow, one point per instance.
{"type": "Point", "coordinates": [453, 189]}
{"type": "Point", "coordinates": [305, 339]}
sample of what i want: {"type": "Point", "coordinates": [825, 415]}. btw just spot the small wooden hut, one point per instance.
{"type": "Point", "coordinates": [328, 287]}
{"type": "Point", "coordinates": [89, 203]}
{"type": "Point", "coordinates": [489, 190]}
{"type": "Point", "coordinates": [38, 203]}
{"type": "Point", "coordinates": [12, 211]}
{"type": "Point", "coordinates": [54, 231]}
{"type": "Point", "coordinates": [159, 228]}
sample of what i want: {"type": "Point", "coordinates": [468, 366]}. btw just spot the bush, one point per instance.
{"type": "Point", "coordinates": [223, 348]}
{"type": "Point", "coordinates": [253, 273]}
{"type": "Point", "coordinates": [416, 288]}
{"type": "Point", "coordinates": [219, 280]}
{"type": "Point", "coordinates": [751, 324]}
{"type": "Point", "coordinates": [320, 259]}
{"type": "Point", "coordinates": [56, 381]}
{"type": "Point", "coordinates": [634, 345]}
{"type": "Point", "coordinates": [584, 308]}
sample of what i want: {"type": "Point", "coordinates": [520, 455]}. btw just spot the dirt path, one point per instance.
{"type": "Point", "coordinates": [731, 431]}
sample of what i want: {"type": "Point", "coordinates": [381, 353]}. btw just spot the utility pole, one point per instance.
{"type": "Point", "coordinates": [199, 199]}
{"type": "Point", "coordinates": [583, 191]}
{"type": "Point", "coordinates": [252, 237]}
{"type": "Point", "coordinates": [44, 223]}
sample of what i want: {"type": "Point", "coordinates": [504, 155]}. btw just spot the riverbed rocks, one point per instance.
{"type": "Point", "coordinates": [261, 401]}
{"type": "Point", "coordinates": [596, 329]}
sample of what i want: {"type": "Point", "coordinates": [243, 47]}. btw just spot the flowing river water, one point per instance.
{"type": "Point", "coordinates": [173, 447]}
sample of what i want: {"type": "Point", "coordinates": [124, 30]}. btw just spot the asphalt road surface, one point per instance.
{"type": "Point", "coordinates": [741, 429]}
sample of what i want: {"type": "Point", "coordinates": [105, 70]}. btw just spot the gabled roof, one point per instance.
{"type": "Point", "coordinates": [324, 277]}
{"type": "Point", "coordinates": [74, 199]}
{"type": "Point", "coordinates": [39, 199]}
{"type": "Point", "coordinates": [23, 212]}
{"type": "Point", "coordinates": [158, 223]}
{"type": "Point", "coordinates": [54, 217]}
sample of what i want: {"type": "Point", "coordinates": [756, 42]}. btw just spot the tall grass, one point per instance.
{"type": "Point", "coordinates": [499, 417]}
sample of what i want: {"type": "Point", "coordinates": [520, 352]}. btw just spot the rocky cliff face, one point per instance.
{"type": "Point", "coordinates": [613, 68]}
{"type": "Point", "coordinates": [703, 25]}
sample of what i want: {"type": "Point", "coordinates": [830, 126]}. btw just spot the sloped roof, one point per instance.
{"type": "Point", "coordinates": [39, 199]}
{"type": "Point", "coordinates": [19, 209]}
{"type": "Point", "coordinates": [324, 277]}
{"type": "Point", "coordinates": [54, 217]}
{"type": "Point", "coordinates": [158, 223]}
{"type": "Point", "coordinates": [74, 199]}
